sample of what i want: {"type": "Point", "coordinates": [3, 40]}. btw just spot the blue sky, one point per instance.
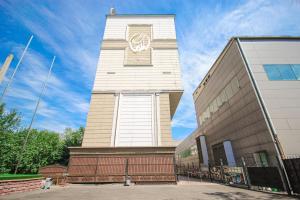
{"type": "Point", "coordinates": [72, 31]}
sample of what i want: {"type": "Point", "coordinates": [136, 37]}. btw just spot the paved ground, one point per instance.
{"type": "Point", "coordinates": [184, 190]}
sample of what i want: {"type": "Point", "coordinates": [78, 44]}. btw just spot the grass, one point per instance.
{"type": "Point", "coordinates": [18, 176]}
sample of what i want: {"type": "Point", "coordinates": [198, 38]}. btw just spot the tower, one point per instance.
{"type": "Point", "coordinates": [136, 91]}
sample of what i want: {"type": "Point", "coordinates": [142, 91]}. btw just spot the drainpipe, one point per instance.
{"type": "Point", "coordinates": [278, 148]}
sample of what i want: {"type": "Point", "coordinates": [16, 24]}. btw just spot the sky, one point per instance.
{"type": "Point", "coordinates": [72, 31]}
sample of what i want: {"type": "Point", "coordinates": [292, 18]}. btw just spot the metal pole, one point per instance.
{"type": "Point", "coordinates": [209, 171]}
{"type": "Point", "coordinates": [285, 181]}
{"type": "Point", "coordinates": [16, 69]}
{"type": "Point", "coordinates": [245, 173]}
{"type": "Point", "coordinates": [222, 171]}
{"type": "Point", "coordinates": [34, 114]}
{"type": "Point", "coordinates": [126, 173]}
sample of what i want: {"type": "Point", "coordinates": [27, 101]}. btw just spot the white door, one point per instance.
{"type": "Point", "coordinates": [135, 120]}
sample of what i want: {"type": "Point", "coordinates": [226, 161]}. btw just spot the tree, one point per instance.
{"type": "Point", "coordinates": [43, 148]}
{"type": "Point", "coordinates": [9, 146]}
{"type": "Point", "coordinates": [72, 138]}
{"type": "Point", "coordinates": [9, 121]}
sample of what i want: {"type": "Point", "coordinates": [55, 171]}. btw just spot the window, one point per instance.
{"type": "Point", "coordinates": [282, 72]}
{"type": "Point", "coordinates": [211, 107]}
{"type": "Point", "coordinates": [229, 91]}
{"type": "Point", "coordinates": [234, 85]}
{"type": "Point", "coordinates": [215, 105]}
{"type": "Point", "coordinates": [224, 96]}
{"type": "Point", "coordinates": [219, 101]}
{"type": "Point", "coordinates": [261, 159]}
{"type": "Point", "coordinates": [201, 119]}
{"type": "Point", "coordinates": [207, 114]}
{"type": "Point", "coordinates": [296, 69]}
{"type": "Point", "coordinates": [272, 72]}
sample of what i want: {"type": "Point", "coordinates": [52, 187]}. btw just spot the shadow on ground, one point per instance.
{"type": "Point", "coordinates": [241, 195]}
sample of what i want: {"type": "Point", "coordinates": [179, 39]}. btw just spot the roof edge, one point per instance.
{"type": "Point", "coordinates": [267, 37]}
{"type": "Point", "coordinates": [215, 62]}
{"type": "Point", "coordinates": [244, 38]}
{"type": "Point", "coordinates": [144, 15]}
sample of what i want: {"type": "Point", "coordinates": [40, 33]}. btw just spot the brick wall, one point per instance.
{"type": "Point", "coordinates": [24, 185]}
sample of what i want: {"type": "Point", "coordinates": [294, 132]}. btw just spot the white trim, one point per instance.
{"type": "Point", "coordinates": [118, 121]}
{"type": "Point", "coordinates": [134, 91]}
{"type": "Point", "coordinates": [114, 126]}
{"type": "Point", "coordinates": [158, 133]}
{"type": "Point", "coordinates": [153, 120]}
{"type": "Point", "coordinates": [229, 153]}
{"type": "Point", "coordinates": [204, 149]}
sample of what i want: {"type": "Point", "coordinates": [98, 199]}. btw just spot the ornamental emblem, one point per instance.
{"type": "Point", "coordinates": [139, 42]}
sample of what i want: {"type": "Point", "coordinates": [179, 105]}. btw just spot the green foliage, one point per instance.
{"type": "Point", "coordinates": [43, 147]}
{"type": "Point", "coordinates": [18, 176]}
{"type": "Point", "coordinates": [72, 138]}
{"type": "Point", "coordinates": [9, 143]}
{"type": "Point", "coordinates": [8, 121]}
{"type": "Point", "coordinates": [186, 153]}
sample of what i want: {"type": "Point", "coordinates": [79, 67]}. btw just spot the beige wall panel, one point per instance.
{"type": "Point", "coordinates": [188, 144]}
{"type": "Point", "coordinates": [137, 58]}
{"type": "Point", "coordinates": [165, 120]}
{"type": "Point", "coordinates": [163, 75]}
{"type": "Point", "coordinates": [240, 119]}
{"type": "Point", "coordinates": [164, 44]}
{"type": "Point", "coordinates": [163, 26]}
{"type": "Point", "coordinates": [99, 121]}
{"type": "Point", "coordinates": [122, 44]}
{"type": "Point", "coordinates": [281, 98]}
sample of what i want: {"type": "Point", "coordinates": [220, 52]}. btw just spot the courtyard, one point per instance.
{"type": "Point", "coordinates": [183, 190]}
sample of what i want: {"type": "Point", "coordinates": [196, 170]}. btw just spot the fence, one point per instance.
{"type": "Point", "coordinates": [115, 168]}
{"type": "Point", "coordinates": [292, 166]}
{"type": "Point", "coordinates": [244, 173]}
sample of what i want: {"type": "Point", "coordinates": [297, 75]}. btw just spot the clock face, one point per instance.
{"type": "Point", "coordinates": [139, 42]}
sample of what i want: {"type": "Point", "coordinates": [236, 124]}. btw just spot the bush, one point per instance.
{"type": "Point", "coordinates": [43, 147]}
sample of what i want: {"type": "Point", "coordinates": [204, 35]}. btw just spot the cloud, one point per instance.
{"type": "Point", "coordinates": [73, 39]}
{"type": "Point", "coordinates": [72, 31]}
{"type": "Point", "coordinates": [26, 88]}
{"type": "Point", "coordinates": [64, 34]}
{"type": "Point", "coordinates": [202, 39]}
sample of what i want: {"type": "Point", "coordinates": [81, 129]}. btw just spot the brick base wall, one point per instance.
{"type": "Point", "coordinates": [142, 164]}
{"type": "Point", "coordinates": [24, 185]}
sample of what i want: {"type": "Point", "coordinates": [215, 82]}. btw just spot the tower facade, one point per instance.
{"type": "Point", "coordinates": [136, 91]}
{"type": "Point", "coordinates": [137, 86]}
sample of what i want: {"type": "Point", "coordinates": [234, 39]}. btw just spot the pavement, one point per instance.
{"type": "Point", "coordinates": [185, 190]}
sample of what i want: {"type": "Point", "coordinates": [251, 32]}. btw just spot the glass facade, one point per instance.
{"type": "Point", "coordinates": [277, 72]}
